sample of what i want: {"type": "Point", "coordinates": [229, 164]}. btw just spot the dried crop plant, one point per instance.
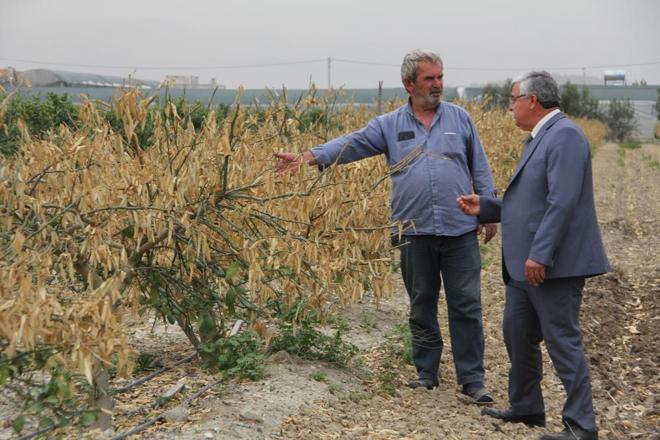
{"type": "Point", "coordinates": [595, 130]}
{"type": "Point", "coordinates": [196, 227]}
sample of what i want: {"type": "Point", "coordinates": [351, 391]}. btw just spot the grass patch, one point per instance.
{"type": "Point", "coordinates": [653, 163]}
{"type": "Point", "coordinates": [387, 378]}
{"type": "Point", "coordinates": [397, 354]}
{"type": "Point", "coordinates": [319, 377]}
{"type": "Point", "coordinates": [404, 342]}
{"type": "Point", "coordinates": [335, 388]}
{"type": "Point", "coordinates": [145, 362]}
{"type": "Point", "coordinates": [339, 324]}
{"type": "Point", "coordinates": [621, 159]}
{"type": "Point", "coordinates": [368, 323]}
{"type": "Point", "coordinates": [307, 342]}
{"type": "Point", "coordinates": [486, 256]}
{"type": "Point", "coordinates": [631, 144]}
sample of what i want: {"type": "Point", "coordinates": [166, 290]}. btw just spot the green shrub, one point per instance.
{"type": "Point", "coordinates": [404, 339]}
{"type": "Point", "coordinates": [319, 377]}
{"type": "Point", "coordinates": [579, 103]}
{"type": "Point", "coordinates": [620, 119]}
{"type": "Point", "coordinates": [304, 341]}
{"type": "Point", "coordinates": [631, 144]}
{"type": "Point", "coordinates": [497, 96]}
{"type": "Point", "coordinates": [239, 356]}
{"type": "Point", "coordinates": [40, 117]}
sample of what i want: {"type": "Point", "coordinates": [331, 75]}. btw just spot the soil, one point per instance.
{"type": "Point", "coordinates": [369, 400]}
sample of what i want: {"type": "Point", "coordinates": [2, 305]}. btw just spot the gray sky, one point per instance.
{"type": "Point", "coordinates": [480, 41]}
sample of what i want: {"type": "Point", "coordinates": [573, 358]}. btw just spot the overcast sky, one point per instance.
{"type": "Point", "coordinates": [480, 41]}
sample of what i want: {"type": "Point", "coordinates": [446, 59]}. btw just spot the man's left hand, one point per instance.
{"type": "Point", "coordinates": [489, 231]}
{"type": "Point", "coordinates": [534, 272]}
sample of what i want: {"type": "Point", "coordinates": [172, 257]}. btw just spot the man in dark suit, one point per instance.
{"type": "Point", "coordinates": [550, 243]}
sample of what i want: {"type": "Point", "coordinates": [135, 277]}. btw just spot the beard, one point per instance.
{"type": "Point", "coordinates": [430, 99]}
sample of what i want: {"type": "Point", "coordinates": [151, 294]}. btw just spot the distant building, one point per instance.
{"type": "Point", "coordinates": [191, 82]}
{"type": "Point", "coordinates": [618, 77]}
{"type": "Point", "coordinates": [180, 81]}
{"type": "Point", "coordinates": [59, 78]}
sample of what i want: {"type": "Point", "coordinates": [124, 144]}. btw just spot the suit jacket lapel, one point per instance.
{"type": "Point", "coordinates": [529, 150]}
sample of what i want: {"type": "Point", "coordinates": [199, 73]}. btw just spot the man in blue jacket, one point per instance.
{"type": "Point", "coordinates": [550, 243]}
{"type": "Point", "coordinates": [435, 153]}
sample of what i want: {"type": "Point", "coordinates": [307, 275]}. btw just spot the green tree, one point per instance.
{"type": "Point", "coordinates": [620, 119]}
{"type": "Point", "coordinates": [570, 99]}
{"type": "Point", "coordinates": [579, 103]}
{"type": "Point", "coordinates": [589, 105]}
{"type": "Point", "coordinates": [39, 115]}
{"type": "Point", "coordinates": [497, 96]}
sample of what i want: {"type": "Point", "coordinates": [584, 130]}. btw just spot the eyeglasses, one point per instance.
{"type": "Point", "coordinates": [513, 99]}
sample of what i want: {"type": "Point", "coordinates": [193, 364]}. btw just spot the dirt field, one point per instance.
{"type": "Point", "coordinates": [311, 400]}
{"type": "Point", "coordinates": [620, 319]}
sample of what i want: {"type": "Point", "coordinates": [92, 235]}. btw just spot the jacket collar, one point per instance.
{"type": "Point", "coordinates": [539, 125]}
{"type": "Point", "coordinates": [531, 147]}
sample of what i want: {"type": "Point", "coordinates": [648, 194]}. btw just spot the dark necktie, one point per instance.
{"type": "Point", "coordinates": [528, 140]}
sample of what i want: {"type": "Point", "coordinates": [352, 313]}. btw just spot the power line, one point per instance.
{"type": "Point", "coordinates": [325, 60]}
{"type": "Point", "coordinates": [603, 66]}
{"type": "Point", "coordinates": [370, 63]}
{"type": "Point", "coordinates": [237, 66]}
{"type": "Point", "coordinates": [328, 60]}
{"type": "Point", "coordinates": [490, 69]}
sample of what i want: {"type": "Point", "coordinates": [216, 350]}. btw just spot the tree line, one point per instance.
{"type": "Point", "coordinates": [619, 115]}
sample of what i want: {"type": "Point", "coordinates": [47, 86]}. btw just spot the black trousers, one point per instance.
{"type": "Point", "coordinates": [426, 262]}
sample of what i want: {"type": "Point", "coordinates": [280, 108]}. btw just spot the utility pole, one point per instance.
{"type": "Point", "coordinates": [329, 73]}
{"type": "Point", "coordinates": [380, 97]}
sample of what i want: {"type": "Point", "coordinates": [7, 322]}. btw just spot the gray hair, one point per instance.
{"type": "Point", "coordinates": [543, 86]}
{"type": "Point", "coordinates": [411, 62]}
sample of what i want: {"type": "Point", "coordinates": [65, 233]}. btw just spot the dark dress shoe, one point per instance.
{"type": "Point", "coordinates": [509, 416]}
{"type": "Point", "coordinates": [571, 432]}
{"type": "Point", "coordinates": [422, 383]}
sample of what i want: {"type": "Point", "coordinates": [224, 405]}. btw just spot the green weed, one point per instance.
{"type": "Point", "coordinates": [404, 342]}
{"type": "Point", "coordinates": [387, 378]}
{"type": "Point", "coordinates": [630, 144]}
{"type": "Point", "coordinates": [304, 341]}
{"type": "Point", "coordinates": [368, 323]}
{"type": "Point", "coordinates": [621, 159]}
{"type": "Point", "coordinates": [653, 163]}
{"type": "Point", "coordinates": [144, 362]}
{"type": "Point", "coordinates": [239, 356]}
{"type": "Point", "coordinates": [319, 377]}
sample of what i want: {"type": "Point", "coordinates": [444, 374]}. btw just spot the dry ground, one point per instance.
{"type": "Point", "coordinates": [621, 324]}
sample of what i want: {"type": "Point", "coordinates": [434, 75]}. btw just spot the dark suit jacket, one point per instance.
{"type": "Point", "coordinates": [547, 212]}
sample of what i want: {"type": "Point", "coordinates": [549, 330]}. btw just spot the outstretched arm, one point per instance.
{"type": "Point", "coordinates": [290, 163]}
{"type": "Point", "coordinates": [366, 142]}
